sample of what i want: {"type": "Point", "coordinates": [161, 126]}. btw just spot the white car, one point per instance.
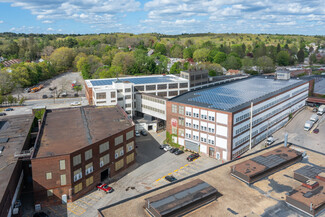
{"type": "Point", "coordinates": [76, 103]}
{"type": "Point", "coordinates": [167, 148]}
{"type": "Point", "coordinates": [137, 134]}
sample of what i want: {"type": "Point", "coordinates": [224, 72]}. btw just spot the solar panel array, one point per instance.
{"type": "Point", "coordinates": [309, 171]}
{"type": "Point", "coordinates": [137, 80]}
{"type": "Point", "coordinates": [4, 140]}
{"type": "Point", "coordinates": [269, 161]}
{"type": "Point", "coordinates": [232, 95]}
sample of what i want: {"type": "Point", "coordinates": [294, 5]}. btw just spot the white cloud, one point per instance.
{"type": "Point", "coordinates": [50, 29]}
{"type": "Point", "coordinates": [47, 21]}
{"type": "Point", "coordinates": [1, 21]}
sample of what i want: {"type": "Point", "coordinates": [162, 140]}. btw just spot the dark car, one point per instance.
{"type": "Point", "coordinates": [178, 152]}
{"type": "Point", "coordinates": [2, 114]}
{"type": "Point", "coordinates": [315, 110]}
{"type": "Point", "coordinates": [40, 214]}
{"type": "Point", "coordinates": [162, 146]}
{"type": "Point", "coordinates": [9, 109]}
{"type": "Point", "coordinates": [44, 96]}
{"type": "Point", "coordinates": [193, 157]}
{"type": "Point", "coordinates": [104, 187]}
{"type": "Point", "coordinates": [316, 131]}
{"type": "Point", "coordinates": [173, 150]}
{"type": "Point", "coordinates": [144, 133]}
{"type": "Point", "coordinates": [170, 178]}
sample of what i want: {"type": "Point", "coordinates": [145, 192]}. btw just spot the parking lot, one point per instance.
{"type": "Point", "coordinates": [297, 134]}
{"type": "Point", "coordinates": [149, 171]}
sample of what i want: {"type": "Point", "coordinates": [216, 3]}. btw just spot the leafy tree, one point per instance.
{"type": "Point", "coordinates": [176, 68]}
{"type": "Point", "coordinates": [301, 55]}
{"type": "Point", "coordinates": [62, 58]}
{"type": "Point", "coordinates": [220, 57]}
{"type": "Point", "coordinates": [201, 55]}
{"type": "Point", "coordinates": [124, 60]}
{"type": "Point", "coordinates": [278, 48]}
{"type": "Point", "coordinates": [176, 51]}
{"type": "Point", "coordinates": [212, 54]}
{"type": "Point", "coordinates": [312, 59]}
{"type": "Point", "coordinates": [21, 76]}
{"type": "Point", "coordinates": [265, 65]}
{"type": "Point", "coordinates": [212, 73]}
{"type": "Point", "coordinates": [247, 64]}
{"type": "Point", "coordinates": [232, 63]}
{"type": "Point", "coordinates": [283, 58]}
{"type": "Point", "coordinates": [188, 52]}
{"type": "Point", "coordinates": [188, 43]}
{"type": "Point", "coordinates": [6, 82]}
{"type": "Point", "coordinates": [88, 65]}
{"type": "Point", "coordinates": [22, 100]}
{"type": "Point", "coordinates": [77, 88]}
{"type": "Point", "coordinates": [238, 49]}
{"type": "Point", "coordinates": [112, 72]}
{"type": "Point", "coordinates": [160, 48]}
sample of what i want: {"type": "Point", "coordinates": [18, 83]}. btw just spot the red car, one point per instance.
{"type": "Point", "coordinates": [105, 188]}
{"type": "Point", "coordinates": [193, 157]}
{"type": "Point", "coordinates": [316, 131]}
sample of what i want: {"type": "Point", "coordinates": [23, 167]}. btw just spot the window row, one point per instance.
{"type": "Point", "coordinates": [153, 99]}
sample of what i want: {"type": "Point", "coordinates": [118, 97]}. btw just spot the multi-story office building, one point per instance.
{"type": "Point", "coordinates": [226, 120]}
{"type": "Point", "coordinates": [196, 77]}
{"type": "Point", "coordinates": [122, 91]}
{"type": "Point", "coordinates": [78, 148]}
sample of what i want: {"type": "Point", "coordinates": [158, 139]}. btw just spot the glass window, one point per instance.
{"type": "Point", "coordinates": [119, 152]}
{"type": "Point", "coordinates": [77, 174]}
{"type": "Point", "coordinates": [173, 86]}
{"type": "Point", "coordinates": [89, 168]}
{"type": "Point", "coordinates": [113, 95]}
{"type": "Point", "coordinates": [78, 188]}
{"type": "Point", "coordinates": [127, 90]}
{"type": "Point", "coordinates": [129, 135]}
{"type": "Point", "coordinates": [62, 164]}
{"type": "Point", "coordinates": [50, 192]}
{"type": "Point", "coordinates": [48, 175]}
{"type": "Point", "coordinates": [63, 179]}
{"type": "Point", "coordinates": [103, 147]}
{"type": "Point", "coordinates": [118, 140]}
{"type": "Point", "coordinates": [76, 159]}
{"type": "Point", "coordinates": [88, 154]}
{"type": "Point", "coordinates": [181, 110]}
{"type": "Point", "coordinates": [174, 108]}
{"type": "Point", "coordinates": [100, 95]}
{"type": "Point", "coordinates": [119, 164]}
{"type": "Point", "coordinates": [174, 130]}
{"type": "Point", "coordinates": [130, 146]}
{"type": "Point", "coordinates": [104, 160]}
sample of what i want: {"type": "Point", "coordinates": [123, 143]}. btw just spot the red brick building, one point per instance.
{"type": "Point", "coordinates": [79, 148]}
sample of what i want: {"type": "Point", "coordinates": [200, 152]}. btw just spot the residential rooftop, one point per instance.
{"type": "Point", "coordinates": [137, 80]}
{"type": "Point", "coordinates": [14, 131]}
{"type": "Point", "coordinates": [238, 94]}
{"type": "Point", "coordinates": [263, 198]}
{"type": "Point", "coordinates": [70, 129]}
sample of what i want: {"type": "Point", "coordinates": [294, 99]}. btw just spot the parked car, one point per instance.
{"type": "Point", "coordinates": [316, 131]}
{"type": "Point", "coordinates": [269, 140]}
{"type": "Point", "coordinates": [193, 157]}
{"type": "Point", "coordinates": [144, 133]}
{"type": "Point", "coordinates": [64, 94]}
{"type": "Point", "coordinates": [76, 103]}
{"type": "Point", "coordinates": [50, 96]}
{"type": "Point", "coordinates": [9, 109]}
{"type": "Point", "coordinates": [2, 114]}
{"type": "Point", "coordinates": [315, 109]}
{"type": "Point", "coordinates": [44, 96]}
{"type": "Point", "coordinates": [170, 178]}
{"type": "Point", "coordinates": [167, 148]}
{"type": "Point", "coordinates": [137, 134]}
{"type": "Point", "coordinates": [173, 150]}
{"type": "Point", "coordinates": [104, 187]}
{"type": "Point", "coordinates": [162, 146]}
{"type": "Point", "coordinates": [178, 152]}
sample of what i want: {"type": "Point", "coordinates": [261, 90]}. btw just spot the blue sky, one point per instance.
{"type": "Point", "coordinates": [163, 16]}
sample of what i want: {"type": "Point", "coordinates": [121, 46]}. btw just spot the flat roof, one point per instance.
{"type": "Point", "coordinates": [179, 197]}
{"type": "Point", "coordinates": [238, 94]}
{"type": "Point", "coordinates": [263, 198]}
{"type": "Point", "coordinates": [307, 172]}
{"type": "Point", "coordinates": [70, 129]}
{"type": "Point", "coordinates": [15, 130]}
{"type": "Point", "coordinates": [320, 86]}
{"type": "Point", "coordinates": [153, 79]}
{"type": "Point", "coordinates": [258, 167]}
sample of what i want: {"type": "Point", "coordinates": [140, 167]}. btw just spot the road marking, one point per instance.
{"type": "Point", "coordinates": [175, 171]}
{"type": "Point", "coordinates": [157, 180]}
{"type": "Point", "coordinates": [170, 173]}
{"type": "Point", "coordinates": [86, 202]}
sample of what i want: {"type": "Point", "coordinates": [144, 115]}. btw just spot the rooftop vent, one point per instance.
{"type": "Point", "coordinates": [1, 149]}
{"type": "Point", "coordinates": [4, 140]}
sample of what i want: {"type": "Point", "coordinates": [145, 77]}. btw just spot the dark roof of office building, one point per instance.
{"type": "Point", "coordinates": [320, 86]}
{"type": "Point", "coordinates": [154, 79]}
{"type": "Point", "coordinates": [13, 132]}
{"type": "Point", "coordinates": [180, 197]}
{"type": "Point", "coordinates": [70, 129]}
{"type": "Point", "coordinates": [258, 167]}
{"type": "Point", "coordinates": [237, 95]}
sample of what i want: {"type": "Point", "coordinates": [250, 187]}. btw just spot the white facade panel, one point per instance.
{"type": "Point", "coordinates": [224, 155]}
{"type": "Point", "coordinates": [204, 112]}
{"type": "Point", "coordinates": [181, 141]}
{"type": "Point", "coordinates": [221, 143]}
{"type": "Point", "coordinates": [203, 149]}
{"type": "Point", "coordinates": [222, 118]}
{"type": "Point", "coordinates": [222, 130]}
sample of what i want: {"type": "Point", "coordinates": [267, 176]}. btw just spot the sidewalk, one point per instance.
{"type": "Point", "coordinates": [159, 137]}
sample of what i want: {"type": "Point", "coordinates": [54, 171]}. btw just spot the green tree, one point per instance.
{"type": "Point", "coordinates": [160, 48]}
{"type": "Point", "coordinates": [265, 65]}
{"type": "Point", "coordinates": [176, 51]}
{"type": "Point", "coordinates": [220, 57]}
{"type": "Point", "coordinates": [124, 60]}
{"type": "Point", "coordinates": [301, 55]}
{"type": "Point", "coordinates": [176, 68]}
{"type": "Point", "coordinates": [20, 75]}
{"type": "Point", "coordinates": [283, 58]}
{"type": "Point", "coordinates": [201, 55]}
{"type": "Point", "coordinates": [232, 63]}
{"type": "Point", "coordinates": [77, 88]}
{"type": "Point", "coordinates": [312, 59]}
{"type": "Point", "coordinates": [62, 58]}
{"type": "Point", "coordinates": [188, 52]}
{"type": "Point", "coordinates": [247, 64]}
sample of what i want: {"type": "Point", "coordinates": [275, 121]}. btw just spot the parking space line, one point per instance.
{"type": "Point", "coordinates": [86, 202]}
{"type": "Point", "coordinates": [175, 171]}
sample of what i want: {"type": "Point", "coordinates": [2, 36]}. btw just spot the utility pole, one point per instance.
{"type": "Point", "coordinates": [251, 127]}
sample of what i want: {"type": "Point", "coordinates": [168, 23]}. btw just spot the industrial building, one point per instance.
{"type": "Point", "coordinates": [267, 197]}
{"type": "Point", "coordinates": [224, 121]}
{"type": "Point", "coordinates": [77, 148]}
{"type": "Point", "coordinates": [196, 77]}
{"type": "Point", "coordinates": [122, 91]}
{"type": "Point", "coordinates": [15, 135]}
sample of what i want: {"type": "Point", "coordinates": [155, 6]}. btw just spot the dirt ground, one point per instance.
{"type": "Point", "coordinates": [61, 82]}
